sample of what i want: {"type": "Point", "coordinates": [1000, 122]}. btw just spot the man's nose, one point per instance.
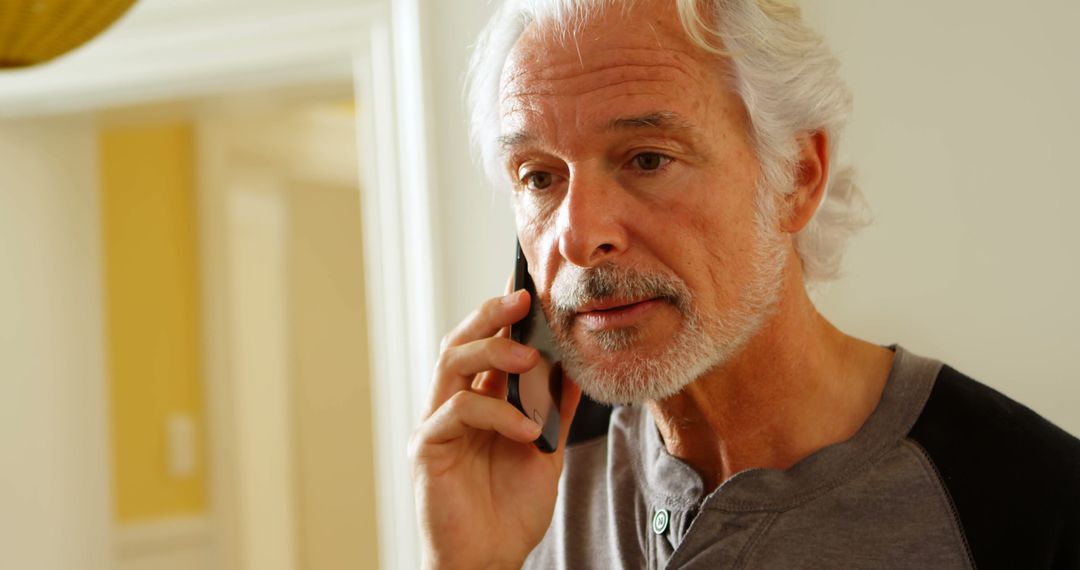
{"type": "Point", "coordinates": [590, 222]}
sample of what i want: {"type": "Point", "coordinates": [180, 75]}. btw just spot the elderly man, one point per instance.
{"type": "Point", "coordinates": [672, 164]}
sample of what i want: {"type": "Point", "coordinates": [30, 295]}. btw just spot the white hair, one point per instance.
{"type": "Point", "coordinates": [786, 76]}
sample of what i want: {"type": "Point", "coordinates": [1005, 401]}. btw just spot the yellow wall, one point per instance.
{"type": "Point", "coordinates": [148, 209]}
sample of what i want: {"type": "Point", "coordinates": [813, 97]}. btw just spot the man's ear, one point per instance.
{"type": "Point", "coordinates": [811, 176]}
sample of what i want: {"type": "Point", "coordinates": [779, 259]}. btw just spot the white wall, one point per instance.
{"type": "Point", "coordinates": [475, 230]}
{"type": "Point", "coordinates": [964, 135]}
{"type": "Point", "coordinates": [54, 483]}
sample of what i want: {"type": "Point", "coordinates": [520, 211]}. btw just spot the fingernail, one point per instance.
{"type": "Point", "coordinates": [521, 351]}
{"type": "Point", "coordinates": [508, 299]}
{"type": "Point", "coordinates": [531, 427]}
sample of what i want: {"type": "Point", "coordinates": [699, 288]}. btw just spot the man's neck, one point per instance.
{"type": "Point", "coordinates": [798, 385]}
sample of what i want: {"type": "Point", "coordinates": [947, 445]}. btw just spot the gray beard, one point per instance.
{"type": "Point", "coordinates": [702, 343]}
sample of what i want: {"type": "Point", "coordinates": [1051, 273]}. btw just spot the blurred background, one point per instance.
{"type": "Point", "coordinates": [232, 231]}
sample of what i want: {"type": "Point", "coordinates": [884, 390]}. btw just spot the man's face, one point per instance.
{"type": "Point", "coordinates": [637, 204]}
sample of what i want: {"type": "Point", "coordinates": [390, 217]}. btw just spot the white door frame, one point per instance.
{"type": "Point", "coordinates": [175, 50]}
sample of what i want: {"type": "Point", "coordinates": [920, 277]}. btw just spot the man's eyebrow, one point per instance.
{"type": "Point", "coordinates": [514, 140]}
{"type": "Point", "coordinates": [654, 120]}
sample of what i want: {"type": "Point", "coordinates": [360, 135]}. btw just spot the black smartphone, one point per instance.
{"type": "Point", "coordinates": [536, 393]}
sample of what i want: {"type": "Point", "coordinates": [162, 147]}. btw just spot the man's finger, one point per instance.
{"type": "Point", "coordinates": [485, 321]}
{"type": "Point", "coordinates": [494, 353]}
{"type": "Point", "coordinates": [492, 384]}
{"type": "Point", "coordinates": [460, 364]}
{"type": "Point", "coordinates": [467, 411]}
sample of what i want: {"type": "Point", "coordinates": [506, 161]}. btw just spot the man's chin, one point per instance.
{"type": "Point", "coordinates": [618, 344]}
{"type": "Point", "coordinates": [618, 392]}
{"type": "Point", "coordinates": [624, 377]}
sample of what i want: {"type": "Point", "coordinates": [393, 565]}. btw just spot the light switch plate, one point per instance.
{"type": "Point", "coordinates": [180, 430]}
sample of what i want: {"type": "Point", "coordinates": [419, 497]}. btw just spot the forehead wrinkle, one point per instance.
{"type": "Point", "coordinates": [537, 73]}
{"type": "Point", "coordinates": [524, 116]}
{"type": "Point", "coordinates": [530, 70]}
{"type": "Point", "coordinates": [525, 87]}
{"type": "Point", "coordinates": [660, 119]}
{"type": "Point", "coordinates": [599, 88]}
{"type": "Point", "coordinates": [602, 57]}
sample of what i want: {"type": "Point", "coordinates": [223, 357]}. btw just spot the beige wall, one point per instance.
{"type": "Point", "coordinates": [331, 396]}
{"type": "Point", "coordinates": [964, 135]}
{"type": "Point", "coordinates": [54, 471]}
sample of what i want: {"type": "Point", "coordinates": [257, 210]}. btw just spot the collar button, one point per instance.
{"type": "Point", "coordinates": [660, 521]}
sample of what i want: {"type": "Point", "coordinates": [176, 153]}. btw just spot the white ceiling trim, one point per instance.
{"type": "Point", "coordinates": [144, 60]}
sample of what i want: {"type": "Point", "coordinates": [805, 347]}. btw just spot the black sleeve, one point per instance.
{"type": "Point", "coordinates": [1014, 477]}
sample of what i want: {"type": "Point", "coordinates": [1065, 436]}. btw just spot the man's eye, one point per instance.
{"type": "Point", "coordinates": [650, 160]}
{"type": "Point", "coordinates": [537, 180]}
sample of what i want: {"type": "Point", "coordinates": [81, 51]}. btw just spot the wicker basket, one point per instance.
{"type": "Point", "coordinates": [34, 31]}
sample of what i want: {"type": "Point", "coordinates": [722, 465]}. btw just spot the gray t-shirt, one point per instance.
{"type": "Point", "coordinates": [873, 501]}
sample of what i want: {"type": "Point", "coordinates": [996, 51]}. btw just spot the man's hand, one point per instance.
{"type": "Point", "coordinates": [484, 493]}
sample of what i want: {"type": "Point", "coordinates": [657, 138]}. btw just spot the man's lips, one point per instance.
{"type": "Point", "coordinates": [615, 313]}
{"type": "Point", "coordinates": [609, 304]}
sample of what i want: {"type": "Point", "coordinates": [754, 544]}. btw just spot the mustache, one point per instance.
{"type": "Point", "coordinates": [575, 286]}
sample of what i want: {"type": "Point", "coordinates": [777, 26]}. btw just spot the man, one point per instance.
{"type": "Point", "coordinates": [675, 192]}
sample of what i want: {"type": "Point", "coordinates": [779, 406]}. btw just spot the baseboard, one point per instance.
{"type": "Point", "coordinates": [168, 544]}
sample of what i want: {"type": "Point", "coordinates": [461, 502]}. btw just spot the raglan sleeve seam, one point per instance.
{"type": "Point", "coordinates": [931, 472]}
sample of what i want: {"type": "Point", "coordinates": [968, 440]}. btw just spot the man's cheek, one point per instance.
{"type": "Point", "coordinates": [534, 214]}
